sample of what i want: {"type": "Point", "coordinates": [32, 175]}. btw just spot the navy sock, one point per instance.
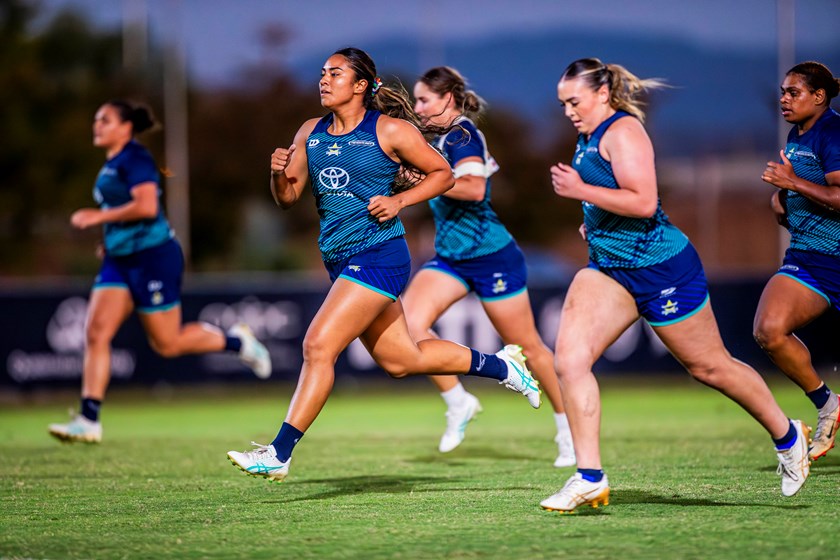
{"type": "Point", "coordinates": [819, 396]}
{"type": "Point", "coordinates": [90, 409]}
{"type": "Point", "coordinates": [592, 475]}
{"type": "Point", "coordinates": [285, 442]}
{"type": "Point", "coordinates": [787, 440]}
{"type": "Point", "coordinates": [487, 365]}
{"type": "Point", "coordinates": [233, 344]}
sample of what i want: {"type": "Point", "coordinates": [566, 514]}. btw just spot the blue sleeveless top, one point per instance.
{"type": "Point", "coordinates": [467, 229]}
{"type": "Point", "coordinates": [345, 172]}
{"type": "Point", "coordinates": [813, 155]}
{"type": "Point", "coordinates": [620, 241]}
{"type": "Point", "coordinates": [133, 166]}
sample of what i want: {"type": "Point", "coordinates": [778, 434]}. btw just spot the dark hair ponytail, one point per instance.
{"type": "Point", "coordinates": [138, 115]}
{"type": "Point", "coordinates": [445, 79]}
{"type": "Point", "coordinates": [393, 101]}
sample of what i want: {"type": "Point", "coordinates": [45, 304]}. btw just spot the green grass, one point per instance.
{"type": "Point", "coordinates": [692, 476]}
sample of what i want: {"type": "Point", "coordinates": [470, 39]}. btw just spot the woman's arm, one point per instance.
{"type": "Point", "coordinates": [468, 187]}
{"type": "Point", "coordinates": [290, 169]}
{"type": "Point", "coordinates": [782, 176]}
{"type": "Point", "coordinates": [142, 206]}
{"type": "Point", "coordinates": [403, 142]}
{"type": "Point", "coordinates": [628, 148]}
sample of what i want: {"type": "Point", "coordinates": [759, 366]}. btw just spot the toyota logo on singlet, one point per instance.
{"type": "Point", "coordinates": [334, 178]}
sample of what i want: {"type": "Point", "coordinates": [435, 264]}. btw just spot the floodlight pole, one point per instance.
{"type": "Point", "coordinates": [786, 58]}
{"type": "Point", "coordinates": [135, 35]}
{"type": "Point", "coordinates": [175, 127]}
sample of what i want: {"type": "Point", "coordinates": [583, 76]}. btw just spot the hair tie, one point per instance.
{"type": "Point", "coordinates": [377, 83]}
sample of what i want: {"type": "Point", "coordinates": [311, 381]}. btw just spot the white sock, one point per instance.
{"type": "Point", "coordinates": [562, 422]}
{"type": "Point", "coordinates": [454, 396]}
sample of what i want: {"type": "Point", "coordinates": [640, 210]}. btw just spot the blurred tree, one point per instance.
{"type": "Point", "coordinates": [50, 86]}
{"type": "Point", "coordinates": [52, 82]}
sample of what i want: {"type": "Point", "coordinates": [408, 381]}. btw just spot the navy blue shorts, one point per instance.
{"type": "Point", "coordinates": [383, 268]}
{"type": "Point", "coordinates": [495, 276]}
{"type": "Point", "coordinates": [152, 276]}
{"type": "Point", "coordinates": [816, 271]}
{"type": "Point", "coordinates": [668, 292]}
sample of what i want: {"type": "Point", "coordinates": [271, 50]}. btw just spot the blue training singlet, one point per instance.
{"type": "Point", "coordinates": [466, 229]}
{"type": "Point", "coordinates": [131, 167]}
{"type": "Point", "coordinates": [619, 241]}
{"type": "Point", "coordinates": [814, 154]}
{"type": "Point", "coordinates": [345, 172]}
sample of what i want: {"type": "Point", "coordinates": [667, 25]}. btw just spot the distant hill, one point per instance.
{"type": "Point", "coordinates": [722, 100]}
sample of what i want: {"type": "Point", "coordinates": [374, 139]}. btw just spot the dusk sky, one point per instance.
{"type": "Point", "coordinates": [222, 35]}
{"type": "Point", "coordinates": [720, 56]}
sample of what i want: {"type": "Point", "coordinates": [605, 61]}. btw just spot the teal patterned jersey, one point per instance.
{"type": "Point", "coordinates": [813, 155]}
{"type": "Point", "coordinates": [345, 172]}
{"type": "Point", "coordinates": [131, 167]}
{"type": "Point", "coordinates": [467, 229]}
{"type": "Point", "coordinates": [620, 241]}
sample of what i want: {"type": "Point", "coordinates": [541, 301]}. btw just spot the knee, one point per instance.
{"type": "Point", "coordinates": [570, 365]}
{"type": "Point", "coordinates": [768, 333]}
{"type": "Point", "coordinates": [317, 348]}
{"type": "Point", "coordinates": [395, 370]}
{"type": "Point", "coordinates": [707, 373]}
{"type": "Point", "coordinates": [97, 335]}
{"type": "Point", "coordinates": [165, 349]}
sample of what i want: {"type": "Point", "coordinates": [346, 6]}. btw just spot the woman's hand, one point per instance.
{"type": "Point", "coordinates": [566, 181]}
{"type": "Point", "coordinates": [85, 218]}
{"type": "Point", "coordinates": [385, 208]}
{"type": "Point", "coordinates": [280, 159]}
{"type": "Point", "coordinates": [779, 175]}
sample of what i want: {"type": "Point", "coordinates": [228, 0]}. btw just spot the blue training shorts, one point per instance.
{"type": "Point", "coordinates": [668, 292]}
{"type": "Point", "coordinates": [495, 276]}
{"type": "Point", "coordinates": [383, 268]}
{"type": "Point", "coordinates": [152, 276]}
{"type": "Point", "coordinates": [819, 272]}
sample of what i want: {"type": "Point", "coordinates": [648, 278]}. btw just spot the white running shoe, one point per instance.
{"type": "Point", "coordinates": [566, 455]}
{"type": "Point", "coordinates": [577, 492]}
{"type": "Point", "coordinates": [519, 379]}
{"type": "Point", "coordinates": [794, 465]}
{"type": "Point", "coordinates": [261, 462]}
{"type": "Point", "coordinates": [828, 422]}
{"type": "Point", "coordinates": [78, 429]}
{"type": "Point", "coordinates": [253, 353]}
{"type": "Point", "coordinates": [457, 418]}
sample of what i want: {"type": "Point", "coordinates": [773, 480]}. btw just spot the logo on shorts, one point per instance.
{"type": "Point", "coordinates": [499, 286]}
{"type": "Point", "coordinates": [670, 308]}
{"type": "Point", "coordinates": [155, 286]}
{"type": "Point", "coordinates": [334, 150]}
{"type": "Point", "coordinates": [355, 267]}
{"type": "Point", "coordinates": [667, 292]}
{"type": "Point", "coordinates": [334, 178]}
{"type": "Point", "coordinates": [791, 267]}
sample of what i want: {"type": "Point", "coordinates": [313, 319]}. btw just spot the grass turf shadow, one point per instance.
{"type": "Point", "coordinates": [624, 497]}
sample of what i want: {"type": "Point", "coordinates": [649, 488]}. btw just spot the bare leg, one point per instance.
{"type": "Point", "coordinates": [513, 319]}
{"type": "Point", "coordinates": [696, 343]}
{"type": "Point", "coordinates": [428, 296]}
{"type": "Point", "coordinates": [169, 338]}
{"type": "Point", "coordinates": [785, 306]}
{"type": "Point", "coordinates": [596, 311]}
{"type": "Point", "coordinates": [107, 311]}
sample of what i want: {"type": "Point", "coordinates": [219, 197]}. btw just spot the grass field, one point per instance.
{"type": "Point", "coordinates": [692, 476]}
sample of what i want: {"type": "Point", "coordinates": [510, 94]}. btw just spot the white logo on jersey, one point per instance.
{"type": "Point", "coordinates": [314, 142]}
{"type": "Point", "coordinates": [333, 178]}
